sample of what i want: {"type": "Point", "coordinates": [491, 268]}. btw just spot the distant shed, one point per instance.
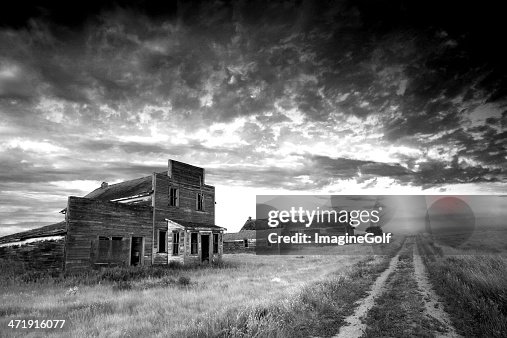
{"type": "Point", "coordinates": [245, 240]}
{"type": "Point", "coordinates": [240, 242]}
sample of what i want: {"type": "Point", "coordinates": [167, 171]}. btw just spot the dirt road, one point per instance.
{"type": "Point", "coordinates": [401, 303]}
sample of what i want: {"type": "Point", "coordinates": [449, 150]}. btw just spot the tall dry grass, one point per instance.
{"type": "Point", "coordinates": [167, 303]}
{"type": "Point", "coordinates": [247, 295]}
{"type": "Point", "coordinates": [473, 287]}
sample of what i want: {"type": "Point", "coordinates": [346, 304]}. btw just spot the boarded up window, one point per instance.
{"type": "Point", "coordinates": [162, 241]}
{"type": "Point", "coordinates": [215, 243]}
{"type": "Point", "coordinates": [193, 243]}
{"type": "Point", "coordinates": [174, 197]}
{"type": "Point", "coordinates": [103, 248]}
{"type": "Point", "coordinates": [116, 248]}
{"type": "Point", "coordinates": [176, 243]}
{"type": "Point", "coordinates": [110, 249]}
{"type": "Point", "coordinates": [199, 203]}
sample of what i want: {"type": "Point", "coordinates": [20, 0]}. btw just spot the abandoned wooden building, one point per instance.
{"type": "Point", "coordinates": [238, 242]}
{"type": "Point", "coordinates": [167, 216]}
{"type": "Point", "coordinates": [245, 240]}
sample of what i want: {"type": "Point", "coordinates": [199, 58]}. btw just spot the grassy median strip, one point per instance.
{"type": "Point", "coordinates": [474, 290]}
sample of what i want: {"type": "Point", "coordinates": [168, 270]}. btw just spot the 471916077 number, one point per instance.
{"type": "Point", "coordinates": [36, 323]}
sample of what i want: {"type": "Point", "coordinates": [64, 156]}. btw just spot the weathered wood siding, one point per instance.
{"type": "Point", "coordinates": [42, 255]}
{"type": "Point", "coordinates": [89, 219]}
{"type": "Point", "coordinates": [183, 172]}
{"type": "Point", "coordinates": [182, 248]}
{"type": "Point", "coordinates": [189, 180]}
{"type": "Point", "coordinates": [238, 246]}
{"type": "Point", "coordinates": [186, 209]}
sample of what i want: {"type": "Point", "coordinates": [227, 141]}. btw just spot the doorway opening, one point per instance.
{"type": "Point", "coordinates": [205, 248]}
{"type": "Point", "coordinates": [136, 251]}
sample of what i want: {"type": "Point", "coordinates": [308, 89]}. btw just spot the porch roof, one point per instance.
{"type": "Point", "coordinates": [194, 225]}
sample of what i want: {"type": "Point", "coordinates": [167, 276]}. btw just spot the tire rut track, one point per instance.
{"type": "Point", "coordinates": [430, 319]}
{"type": "Point", "coordinates": [433, 307]}
{"type": "Point", "coordinates": [355, 327]}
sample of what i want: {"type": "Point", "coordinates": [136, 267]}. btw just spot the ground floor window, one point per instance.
{"type": "Point", "coordinates": [245, 243]}
{"type": "Point", "coordinates": [176, 243]}
{"type": "Point", "coordinates": [193, 243]}
{"type": "Point", "coordinates": [110, 248]}
{"type": "Point", "coordinates": [215, 243]}
{"type": "Point", "coordinates": [162, 241]}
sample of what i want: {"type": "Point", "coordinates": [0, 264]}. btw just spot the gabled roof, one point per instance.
{"type": "Point", "coordinates": [195, 225]}
{"type": "Point", "coordinates": [255, 224]}
{"type": "Point", "coordinates": [135, 187]}
{"type": "Point", "coordinates": [45, 231]}
{"type": "Point", "coordinates": [238, 236]}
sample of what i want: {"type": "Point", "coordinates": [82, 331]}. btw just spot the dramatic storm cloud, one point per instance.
{"type": "Point", "coordinates": [299, 96]}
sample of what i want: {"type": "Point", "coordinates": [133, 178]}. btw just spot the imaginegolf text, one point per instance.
{"type": "Point", "coordinates": [300, 238]}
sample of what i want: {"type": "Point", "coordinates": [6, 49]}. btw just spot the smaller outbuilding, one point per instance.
{"type": "Point", "coordinates": [245, 240]}
{"type": "Point", "coordinates": [240, 242]}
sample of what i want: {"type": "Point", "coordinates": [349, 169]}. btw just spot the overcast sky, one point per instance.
{"type": "Point", "coordinates": [270, 97]}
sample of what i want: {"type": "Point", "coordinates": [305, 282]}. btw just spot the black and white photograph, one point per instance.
{"type": "Point", "coordinates": [242, 168]}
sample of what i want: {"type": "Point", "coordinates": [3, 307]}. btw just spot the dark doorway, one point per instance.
{"type": "Point", "coordinates": [204, 248]}
{"type": "Point", "coordinates": [136, 251]}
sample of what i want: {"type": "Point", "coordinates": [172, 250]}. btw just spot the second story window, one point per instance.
{"type": "Point", "coordinates": [174, 197]}
{"type": "Point", "coordinates": [199, 203]}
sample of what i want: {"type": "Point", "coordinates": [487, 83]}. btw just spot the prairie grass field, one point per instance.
{"type": "Point", "coordinates": [242, 296]}
{"type": "Point", "coordinates": [472, 281]}
{"type": "Point", "coordinates": [268, 296]}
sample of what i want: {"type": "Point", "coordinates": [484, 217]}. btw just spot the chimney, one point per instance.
{"type": "Point", "coordinates": [104, 185]}
{"type": "Point", "coordinates": [170, 168]}
{"type": "Point", "coordinates": [250, 218]}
